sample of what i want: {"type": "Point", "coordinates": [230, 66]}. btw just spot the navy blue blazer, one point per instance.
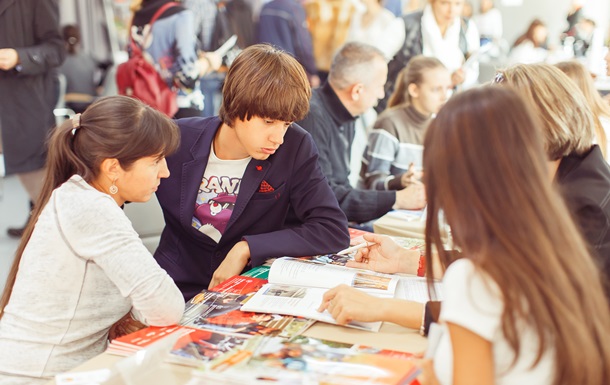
{"type": "Point", "coordinates": [300, 217]}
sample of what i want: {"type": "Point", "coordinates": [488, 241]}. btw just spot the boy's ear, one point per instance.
{"type": "Point", "coordinates": [111, 168]}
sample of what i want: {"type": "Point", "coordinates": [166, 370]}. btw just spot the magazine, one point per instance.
{"type": "Point", "coordinates": [240, 284]}
{"type": "Point", "coordinates": [202, 346]}
{"type": "Point", "coordinates": [296, 287]}
{"type": "Point", "coordinates": [193, 347]}
{"type": "Point", "coordinates": [129, 344]}
{"type": "Point", "coordinates": [307, 360]}
{"type": "Point", "coordinates": [257, 272]}
{"type": "Point", "coordinates": [221, 312]}
{"type": "Point", "coordinates": [416, 289]}
{"type": "Point", "coordinates": [331, 259]}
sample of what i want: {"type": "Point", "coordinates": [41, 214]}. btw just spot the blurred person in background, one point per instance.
{"type": "Point", "coordinates": [531, 47]}
{"type": "Point", "coordinates": [438, 31]}
{"type": "Point", "coordinates": [489, 22]}
{"type": "Point", "coordinates": [375, 25]}
{"type": "Point", "coordinates": [393, 156]}
{"type": "Point", "coordinates": [583, 79]}
{"type": "Point", "coordinates": [575, 163]}
{"type": "Point", "coordinates": [172, 47]}
{"type": "Point", "coordinates": [355, 84]}
{"type": "Point", "coordinates": [31, 48]}
{"type": "Point", "coordinates": [82, 72]}
{"type": "Point", "coordinates": [283, 23]}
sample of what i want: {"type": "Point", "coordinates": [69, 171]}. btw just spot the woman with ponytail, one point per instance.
{"type": "Point", "coordinates": [81, 266]}
{"type": "Point", "coordinates": [396, 141]}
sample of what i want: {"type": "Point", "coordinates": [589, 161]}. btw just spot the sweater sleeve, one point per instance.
{"type": "Point", "coordinates": [97, 230]}
{"type": "Point", "coordinates": [380, 153]}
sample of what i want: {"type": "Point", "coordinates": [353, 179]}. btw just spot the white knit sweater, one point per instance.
{"type": "Point", "coordinates": [83, 269]}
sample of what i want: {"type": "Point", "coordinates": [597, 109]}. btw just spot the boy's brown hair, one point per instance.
{"type": "Point", "coordinates": [266, 82]}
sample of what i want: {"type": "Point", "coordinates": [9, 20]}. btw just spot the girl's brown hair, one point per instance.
{"type": "Point", "coordinates": [413, 73]}
{"type": "Point", "coordinates": [266, 82]}
{"type": "Point", "coordinates": [507, 218]}
{"type": "Point", "coordinates": [113, 127]}
{"type": "Point", "coordinates": [583, 79]}
{"type": "Point", "coordinates": [71, 36]}
{"type": "Point", "coordinates": [529, 34]}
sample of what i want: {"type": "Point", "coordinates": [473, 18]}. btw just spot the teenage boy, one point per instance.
{"type": "Point", "coordinates": [246, 185]}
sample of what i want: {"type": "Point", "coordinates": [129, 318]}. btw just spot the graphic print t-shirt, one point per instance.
{"type": "Point", "coordinates": [217, 195]}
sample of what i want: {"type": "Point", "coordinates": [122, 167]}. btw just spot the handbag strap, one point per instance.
{"type": "Point", "coordinates": [156, 16]}
{"type": "Point", "coordinates": [160, 11]}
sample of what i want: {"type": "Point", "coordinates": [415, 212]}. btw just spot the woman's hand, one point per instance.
{"type": "Point", "coordinates": [412, 176]}
{"type": "Point", "coordinates": [124, 326]}
{"type": "Point", "coordinates": [385, 256]}
{"type": "Point", "coordinates": [458, 77]}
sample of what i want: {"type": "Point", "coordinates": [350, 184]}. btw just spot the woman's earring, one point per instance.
{"type": "Point", "coordinates": [113, 188]}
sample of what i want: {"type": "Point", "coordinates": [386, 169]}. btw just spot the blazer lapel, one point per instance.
{"type": "Point", "coordinates": [251, 181]}
{"type": "Point", "coordinates": [192, 173]}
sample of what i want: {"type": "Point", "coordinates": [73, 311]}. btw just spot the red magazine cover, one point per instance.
{"type": "Point", "coordinates": [355, 236]}
{"type": "Point", "coordinates": [240, 285]}
{"type": "Point", "coordinates": [131, 343]}
{"type": "Point", "coordinates": [219, 311]}
{"type": "Point", "coordinates": [201, 346]}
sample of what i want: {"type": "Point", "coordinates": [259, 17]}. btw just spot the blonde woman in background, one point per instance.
{"type": "Point", "coordinates": [575, 163]}
{"type": "Point", "coordinates": [601, 109]}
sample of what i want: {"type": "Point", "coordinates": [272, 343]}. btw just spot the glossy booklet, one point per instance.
{"type": "Point", "coordinates": [296, 287]}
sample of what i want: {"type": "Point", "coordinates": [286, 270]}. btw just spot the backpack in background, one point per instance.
{"type": "Point", "coordinates": [138, 78]}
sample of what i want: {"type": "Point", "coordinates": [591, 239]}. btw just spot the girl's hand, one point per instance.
{"type": "Point", "coordinates": [347, 304]}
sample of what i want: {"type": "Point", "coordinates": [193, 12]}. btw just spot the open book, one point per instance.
{"type": "Point", "coordinates": [296, 287]}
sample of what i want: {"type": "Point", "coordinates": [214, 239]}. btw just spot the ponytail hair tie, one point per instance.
{"type": "Point", "coordinates": [75, 123]}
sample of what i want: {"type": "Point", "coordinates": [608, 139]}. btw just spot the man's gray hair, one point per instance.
{"type": "Point", "coordinates": [352, 64]}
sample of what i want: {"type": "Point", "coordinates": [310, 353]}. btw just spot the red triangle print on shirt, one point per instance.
{"type": "Point", "coordinates": [265, 187]}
